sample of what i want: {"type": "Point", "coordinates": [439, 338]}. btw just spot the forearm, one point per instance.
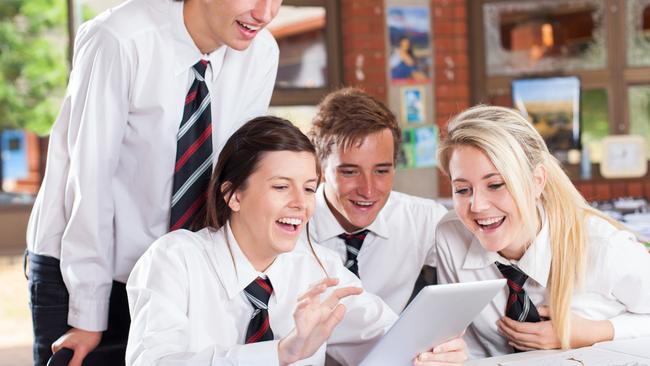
{"type": "Point", "coordinates": [590, 332]}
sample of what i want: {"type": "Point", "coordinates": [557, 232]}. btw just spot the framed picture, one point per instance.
{"type": "Point", "coordinates": [623, 157]}
{"type": "Point", "coordinates": [412, 101]}
{"type": "Point", "coordinates": [409, 40]}
{"type": "Point", "coordinates": [553, 105]}
{"type": "Point", "coordinates": [418, 148]}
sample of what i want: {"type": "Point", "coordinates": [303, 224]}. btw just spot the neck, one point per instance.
{"type": "Point", "coordinates": [254, 252]}
{"type": "Point", "coordinates": [197, 27]}
{"type": "Point", "coordinates": [515, 252]}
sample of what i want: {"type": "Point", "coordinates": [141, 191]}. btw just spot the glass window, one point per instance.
{"type": "Point", "coordinates": [639, 109]}
{"type": "Point", "coordinates": [536, 36]}
{"type": "Point", "coordinates": [638, 32]}
{"type": "Point", "coordinates": [595, 121]}
{"type": "Point", "coordinates": [300, 33]}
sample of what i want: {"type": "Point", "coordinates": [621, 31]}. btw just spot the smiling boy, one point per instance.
{"type": "Point", "coordinates": [383, 236]}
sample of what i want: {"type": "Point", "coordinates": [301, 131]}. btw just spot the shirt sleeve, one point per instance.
{"type": "Point", "coordinates": [366, 320]}
{"type": "Point", "coordinates": [629, 266]}
{"type": "Point", "coordinates": [158, 291]}
{"type": "Point", "coordinates": [97, 106]}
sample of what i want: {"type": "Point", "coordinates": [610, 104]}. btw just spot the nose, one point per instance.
{"type": "Point", "coordinates": [265, 10]}
{"type": "Point", "coordinates": [298, 199]}
{"type": "Point", "coordinates": [478, 203]}
{"type": "Point", "coordinates": [366, 185]}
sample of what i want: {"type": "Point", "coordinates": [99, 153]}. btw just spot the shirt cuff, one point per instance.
{"type": "Point", "coordinates": [631, 326]}
{"type": "Point", "coordinates": [89, 315]}
{"type": "Point", "coordinates": [256, 354]}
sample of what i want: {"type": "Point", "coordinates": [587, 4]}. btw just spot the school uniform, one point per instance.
{"type": "Point", "coordinates": [397, 244]}
{"type": "Point", "coordinates": [188, 304]}
{"type": "Point", "coordinates": [616, 283]}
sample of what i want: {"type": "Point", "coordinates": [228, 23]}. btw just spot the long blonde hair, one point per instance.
{"type": "Point", "coordinates": [515, 148]}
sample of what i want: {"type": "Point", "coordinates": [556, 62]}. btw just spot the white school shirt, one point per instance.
{"type": "Point", "coordinates": [616, 286]}
{"type": "Point", "coordinates": [400, 242]}
{"type": "Point", "coordinates": [107, 188]}
{"type": "Point", "coordinates": [188, 308]}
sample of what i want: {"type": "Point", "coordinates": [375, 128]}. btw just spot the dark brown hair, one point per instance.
{"type": "Point", "coordinates": [347, 116]}
{"type": "Point", "coordinates": [240, 157]}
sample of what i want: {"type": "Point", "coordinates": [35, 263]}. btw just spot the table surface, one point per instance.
{"type": "Point", "coordinates": [628, 344]}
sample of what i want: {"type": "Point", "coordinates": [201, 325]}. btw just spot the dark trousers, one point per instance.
{"type": "Point", "coordinates": [49, 305]}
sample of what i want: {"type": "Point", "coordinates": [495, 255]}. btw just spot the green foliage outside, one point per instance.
{"type": "Point", "coordinates": [595, 120]}
{"type": "Point", "coordinates": [33, 66]}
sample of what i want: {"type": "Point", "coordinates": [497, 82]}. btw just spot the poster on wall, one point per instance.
{"type": "Point", "coordinates": [412, 100]}
{"type": "Point", "coordinates": [552, 104]}
{"type": "Point", "coordinates": [409, 38]}
{"type": "Point", "coordinates": [419, 147]}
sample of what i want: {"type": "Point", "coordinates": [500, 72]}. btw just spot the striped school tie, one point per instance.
{"type": "Point", "coordinates": [519, 306]}
{"type": "Point", "coordinates": [193, 154]}
{"type": "Point", "coordinates": [353, 244]}
{"type": "Point", "coordinates": [258, 293]}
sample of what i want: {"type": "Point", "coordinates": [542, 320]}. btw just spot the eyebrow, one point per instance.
{"type": "Point", "coordinates": [277, 177]}
{"type": "Point", "coordinates": [487, 176]}
{"type": "Point", "coordinates": [380, 165]}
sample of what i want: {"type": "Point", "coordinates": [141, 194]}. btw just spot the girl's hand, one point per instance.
{"type": "Point", "coordinates": [531, 336]}
{"type": "Point", "coordinates": [315, 321]}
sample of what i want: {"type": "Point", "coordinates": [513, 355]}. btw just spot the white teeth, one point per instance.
{"type": "Point", "coordinates": [248, 26]}
{"type": "Point", "coordinates": [290, 221]}
{"type": "Point", "coordinates": [489, 221]}
{"type": "Point", "coordinates": [363, 203]}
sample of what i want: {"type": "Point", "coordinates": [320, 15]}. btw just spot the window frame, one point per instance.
{"type": "Point", "coordinates": [312, 96]}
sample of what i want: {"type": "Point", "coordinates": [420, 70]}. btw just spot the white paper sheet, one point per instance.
{"type": "Point", "coordinates": [589, 356]}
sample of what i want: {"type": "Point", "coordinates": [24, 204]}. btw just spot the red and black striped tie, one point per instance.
{"type": "Point", "coordinates": [258, 293]}
{"type": "Point", "coordinates": [193, 154]}
{"type": "Point", "coordinates": [353, 243]}
{"type": "Point", "coordinates": [519, 306]}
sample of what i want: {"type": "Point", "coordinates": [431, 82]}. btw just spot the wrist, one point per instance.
{"type": "Point", "coordinates": [283, 357]}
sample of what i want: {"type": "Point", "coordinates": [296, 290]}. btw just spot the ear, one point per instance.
{"type": "Point", "coordinates": [539, 175]}
{"type": "Point", "coordinates": [232, 199]}
{"type": "Point", "coordinates": [323, 170]}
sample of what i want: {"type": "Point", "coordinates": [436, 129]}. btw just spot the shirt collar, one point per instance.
{"type": "Point", "coordinates": [186, 51]}
{"type": "Point", "coordinates": [327, 227]}
{"type": "Point", "coordinates": [536, 261]}
{"type": "Point", "coordinates": [237, 272]}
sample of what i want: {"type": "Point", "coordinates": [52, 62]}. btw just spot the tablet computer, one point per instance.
{"type": "Point", "coordinates": [437, 314]}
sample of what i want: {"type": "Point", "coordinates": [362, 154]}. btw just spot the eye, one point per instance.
{"type": "Point", "coordinates": [280, 187]}
{"type": "Point", "coordinates": [310, 190]}
{"type": "Point", "coordinates": [462, 191]}
{"type": "Point", "coordinates": [348, 172]}
{"type": "Point", "coordinates": [496, 186]}
{"type": "Point", "coordinates": [382, 171]}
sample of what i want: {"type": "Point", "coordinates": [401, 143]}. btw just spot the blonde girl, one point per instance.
{"type": "Point", "coordinates": [516, 211]}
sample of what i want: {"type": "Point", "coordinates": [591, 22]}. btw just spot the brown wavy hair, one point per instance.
{"type": "Point", "coordinates": [347, 116]}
